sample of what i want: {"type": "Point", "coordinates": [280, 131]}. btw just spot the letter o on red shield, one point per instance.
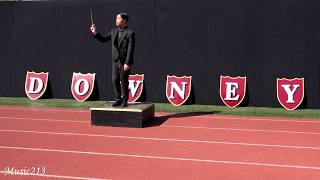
{"type": "Point", "coordinates": [82, 85]}
{"type": "Point", "coordinates": [35, 84]}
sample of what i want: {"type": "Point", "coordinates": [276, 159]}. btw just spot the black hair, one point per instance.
{"type": "Point", "coordinates": [124, 16]}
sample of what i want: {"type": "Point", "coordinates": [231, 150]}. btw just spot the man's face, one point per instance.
{"type": "Point", "coordinates": [120, 22]}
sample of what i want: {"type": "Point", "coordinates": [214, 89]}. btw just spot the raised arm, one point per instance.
{"type": "Point", "coordinates": [98, 36]}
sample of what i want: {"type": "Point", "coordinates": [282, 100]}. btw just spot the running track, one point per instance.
{"type": "Point", "coordinates": [183, 146]}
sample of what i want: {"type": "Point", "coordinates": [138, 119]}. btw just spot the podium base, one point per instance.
{"type": "Point", "coordinates": [134, 115]}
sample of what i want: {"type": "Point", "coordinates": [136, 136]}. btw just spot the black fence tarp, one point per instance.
{"type": "Point", "coordinates": [259, 39]}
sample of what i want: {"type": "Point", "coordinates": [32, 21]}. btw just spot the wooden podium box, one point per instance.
{"type": "Point", "coordinates": [134, 115]}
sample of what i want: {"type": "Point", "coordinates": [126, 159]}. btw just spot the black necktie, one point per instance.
{"type": "Point", "coordinates": [120, 33]}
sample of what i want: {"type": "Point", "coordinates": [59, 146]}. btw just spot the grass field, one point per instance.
{"type": "Point", "coordinates": [166, 107]}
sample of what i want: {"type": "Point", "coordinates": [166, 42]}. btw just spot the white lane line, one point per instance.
{"type": "Point", "coordinates": [44, 119]}
{"type": "Point", "coordinates": [8, 174]}
{"type": "Point", "coordinates": [44, 109]}
{"type": "Point", "coordinates": [162, 157]}
{"type": "Point", "coordinates": [275, 119]}
{"type": "Point", "coordinates": [176, 126]}
{"type": "Point", "coordinates": [238, 129]}
{"type": "Point", "coordinates": [164, 139]}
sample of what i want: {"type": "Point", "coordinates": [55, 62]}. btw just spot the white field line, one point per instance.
{"type": "Point", "coordinates": [162, 139]}
{"type": "Point", "coordinates": [45, 109]}
{"type": "Point", "coordinates": [43, 119]}
{"type": "Point", "coordinates": [162, 157]}
{"type": "Point", "coordinates": [177, 126]}
{"type": "Point", "coordinates": [274, 119]}
{"type": "Point", "coordinates": [241, 129]}
{"type": "Point", "coordinates": [8, 174]}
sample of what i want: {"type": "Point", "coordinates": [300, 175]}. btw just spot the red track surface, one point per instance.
{"type": "Point", "coordinates": [184, 146]}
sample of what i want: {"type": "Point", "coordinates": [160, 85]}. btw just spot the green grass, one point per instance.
{"type": "Point", "coordinates": [58, 103]}
{"type": "Point", "coordinates": [166, 107]}
{"type": "Point", "coordinates": [242, 111]}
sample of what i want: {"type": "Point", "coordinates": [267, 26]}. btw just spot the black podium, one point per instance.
{"type": "Point", "coordinates": [134, 115]}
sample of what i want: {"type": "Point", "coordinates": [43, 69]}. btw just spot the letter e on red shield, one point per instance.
{"type": "Point", "coordinates": [178, 89]}
{"type": "Point", "coordinates": [135, 87]}
{"type": "Point", "coordinates": [82, 85]}
{"type": "Point", "coordinates": [290, 92]}
{"type": "Point", "coordinates": [232, 90]}
{"type": "Point", "coordinates": [35, 84]}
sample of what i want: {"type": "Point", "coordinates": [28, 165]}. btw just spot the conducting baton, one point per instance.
{"type": "Point", "coordinates": [91, 17]}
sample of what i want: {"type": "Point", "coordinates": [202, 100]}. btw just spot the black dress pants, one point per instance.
{"type": "Point", "coordinates": [120, 75]}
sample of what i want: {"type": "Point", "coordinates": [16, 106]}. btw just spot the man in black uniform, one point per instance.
{"type": "Point", "coordinates": [123, 42]}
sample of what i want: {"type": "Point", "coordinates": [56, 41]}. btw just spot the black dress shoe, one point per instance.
{"type": "Point", "coordinates": [124, 103]}
{"type": "Point", "coordinates": [117, 103]}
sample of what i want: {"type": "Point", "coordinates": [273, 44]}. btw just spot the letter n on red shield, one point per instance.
{"type": "Point", "coordinates": [36, 84]}
{"type": "Point", "coordinates": [232, 90]}
{"type": "Point", "coordinates": [82, 85]}
{"type": "Point", "coordinates": [290, 92]}
{"type": "Point", "coordinates": [135, 87]}
{"type": "Point", "coordinates": [178, 89]}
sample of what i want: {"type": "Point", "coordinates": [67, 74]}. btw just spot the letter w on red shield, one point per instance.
{"type": "Point", "coordinates": [178, 89]}
{"type": "Point", "coordinates": [135, 87]}
{"type": "Point", "coordinates": [82, 85]}
{"type": "Point", "coordinates": [232, 90]}
{"type": "Point", "coordinates": [35, 84]}
{"type": "Point", "coordinates": [290, 92]}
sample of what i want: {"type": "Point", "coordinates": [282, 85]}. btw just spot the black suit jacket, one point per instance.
{"type": "Point", "coordinates": [123, 51]}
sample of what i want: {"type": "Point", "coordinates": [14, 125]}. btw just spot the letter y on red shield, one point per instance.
{"type": "Point", "coordinates": [290, 92]}
{"type": "Point", "coordinates": [178, 89]}
{"type": "Point", "coordinates": [82, 85]}
{"type": "Point", "coordinates": [135, 87]}
{"type": "Point", "coordinates": [35, 84]}
{"type": "Point", "coordinates": [232, 90]}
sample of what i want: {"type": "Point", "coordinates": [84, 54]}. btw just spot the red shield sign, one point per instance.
{"type": "Point", "coordinates": [178, 89]}
{"type": "Point", "coordinates": [82, 85]}
{"type": "Point", "coordinates": [290, 92]}
{"type": "Point", "coordinates": [35, 84]}
{"type": "Point", "coordinates": [232, 90]}
{"type": "Point", "coordinates": [135, 87]}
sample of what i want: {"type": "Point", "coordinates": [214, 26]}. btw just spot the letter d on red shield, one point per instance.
{"type": "Point", "coordinates": [35, 84]}
{"type": "Point", "coordinates": [82, 85]}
